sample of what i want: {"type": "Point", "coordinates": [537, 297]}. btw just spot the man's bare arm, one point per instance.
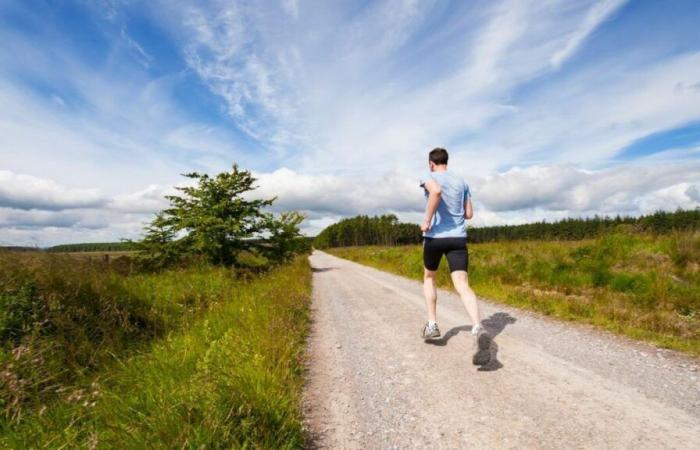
{"type": "Point", "coordinates": [468, 210]}
{"type": "Point", "coordinates": [434, 194]}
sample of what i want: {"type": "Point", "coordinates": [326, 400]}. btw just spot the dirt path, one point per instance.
{"type": "Point", "coordinates": [373, 383]}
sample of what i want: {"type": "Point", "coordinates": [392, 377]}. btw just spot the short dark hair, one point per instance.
{"type": "Point", "coordinates": [438, 156]}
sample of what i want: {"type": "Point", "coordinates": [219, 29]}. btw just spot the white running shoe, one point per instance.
{"type": "Point", "coordinates": [430, 331]}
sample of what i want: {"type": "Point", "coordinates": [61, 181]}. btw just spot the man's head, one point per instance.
{"type": "Point", "coordinates": [437, 157]}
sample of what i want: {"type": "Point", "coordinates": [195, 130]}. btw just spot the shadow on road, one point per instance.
{"type": "Point", "coordinates": [322, 269]}
{"type": "Point", "coordinates": [494, 324]}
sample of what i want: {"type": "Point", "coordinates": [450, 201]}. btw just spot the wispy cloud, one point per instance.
{"type": "Point", "coordinates": [335, 105]}
{"type": "Point", "coordinates": [223, 48]}
{"type": "Point", "coordinates": [596, 14]}
{"type": "Point", "coordinates": [291, 7]}
{"type": "Point", "coordinates": [132, 43]}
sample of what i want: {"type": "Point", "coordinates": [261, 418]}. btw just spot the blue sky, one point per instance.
{"type": "Point", "coordinates": [549, 108]}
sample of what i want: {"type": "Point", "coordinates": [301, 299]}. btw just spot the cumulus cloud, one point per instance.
{"type": "Point", "coordinates": [339, 195]}
{"type": "Point", "coordinates": [515, 196]}
{"type": "Point", "coordinates": [27, 192]}
{"type": "Point", "coordinates": [148, 200]}
{"type": "Point", "coordinates": [37, 219]}
{"type": "Point", "coordinates": [31, 206]}
{"type": "Point", "coordinates": [628, 189]}
{"type": "Point", "coordinates": [693, 192]}
{"type": "Point", "coordinates": [561, 189]}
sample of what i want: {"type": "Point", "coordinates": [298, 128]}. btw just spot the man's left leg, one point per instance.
{"type": "Point", "coordinates": [461, 284]}
{"type": "Point", "coordinates": [430, 292]}
{"type": "Point", "coordinates": [481, 338]}
{"type": "Point", "coordinates": [431, 262]}
{"type": "Point", "coordinates": [458, 259]}
{"type": "Point", "coordinates": [430, 329]}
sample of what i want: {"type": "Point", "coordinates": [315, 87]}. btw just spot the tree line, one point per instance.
{"type": "Point", "coordinates": [93, 247]}
{"type": "Point", "coordinates": [661, 222]}
{"type": "Point", "coordinates": [387, 230]}
{"type": "Point", "coordinates": [365, 230]}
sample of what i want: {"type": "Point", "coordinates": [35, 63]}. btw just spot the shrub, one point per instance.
{"type": "Point", "coordinates": [20, 312]}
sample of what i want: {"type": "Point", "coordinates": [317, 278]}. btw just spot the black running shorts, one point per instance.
{"type": "Point", "coordinates": [454, 248]}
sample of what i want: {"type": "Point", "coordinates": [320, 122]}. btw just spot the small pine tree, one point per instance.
{"type": "Point", "coordinates": [215, 220]}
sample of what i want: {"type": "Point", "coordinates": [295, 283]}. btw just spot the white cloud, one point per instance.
{"type": "Point", "coordinates": [392, 118]}
{"type": "Point", "coordinates": [597, 13]}
{"type": "Point", "coordinates": [58, 100]}
{"type": "Point", "coordinates": [144, 57]}
{"type": "Point", "coordinates": [147, 201]}
{"type": "Point", "coordinates": [337, 195]}
{"type": "Point", "coordinates": [376, 87]}
{"type": "Point", "coordinates": [515, 196]}
{"type": "Point", "coordinates": [588, 118]}
{"type": "Point", "coordinates": [119, 133]}
{"type": "Point", "coordinates": [693, 192]}
{"type": "Point", "coordinates": [222, 49]}
{"type": "Point", "coordinates": [291, 7]}
{"type": "Point", "coordinates": [27, 192]}
{"type": "Point", "coordinates": [632, 189]}
{"type": "Point", "coordinates": [53, 235]}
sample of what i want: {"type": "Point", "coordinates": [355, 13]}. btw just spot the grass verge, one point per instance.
{"type": "Point", "coordinates": [227, 377]}
{"type": "Point", "coordinates": [642, 286]}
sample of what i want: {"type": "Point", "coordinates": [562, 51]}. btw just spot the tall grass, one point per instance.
{"type": "Point", "coordinates": [62, 317]}
{"type": "Point", "coordinates": [196, 357]}
{"type": "Point", "coordinates": [642, 286]}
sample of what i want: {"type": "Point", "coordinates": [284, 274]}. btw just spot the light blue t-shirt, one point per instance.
{"type": "Point", "coordinates": [448, 220]}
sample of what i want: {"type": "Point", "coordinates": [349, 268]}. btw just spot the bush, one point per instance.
{"type": "Point", "coordinates": [20, 312]}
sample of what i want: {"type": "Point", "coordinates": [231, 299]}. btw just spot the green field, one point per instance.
{"type": "Point", "coordinates": [203, 356]}
{"type": "Point", "coordinates": [640, 285]}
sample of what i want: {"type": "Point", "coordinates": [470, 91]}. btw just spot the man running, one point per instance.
{"type": "Point", "coordinates": [444, 233]}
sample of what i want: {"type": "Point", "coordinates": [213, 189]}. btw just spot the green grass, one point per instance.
{"type": "Point", "coordinates": [642, 286]}
{"type": "Point", "coordinates": [213, 361]}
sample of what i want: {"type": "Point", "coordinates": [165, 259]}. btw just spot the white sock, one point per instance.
{"type": "Point", "coordinates": [476, 328]}
{"type": "Point", "coordinates": [431, 323]}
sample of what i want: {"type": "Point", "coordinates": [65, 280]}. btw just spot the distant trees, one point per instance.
{"type": "Point", "coordinates": [387, 230]}
{"type": "Point", "coordinates": [572, 229]}
{"type": "Point", "coordinates": [214, 220]}
{"type": "Point", "coordinates": [93, 247]}
{"type": "Point", "coordinates": [365, 230]}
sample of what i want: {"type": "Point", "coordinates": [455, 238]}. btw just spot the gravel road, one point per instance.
{"type": "Point", "coordinates": [372, 382]}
